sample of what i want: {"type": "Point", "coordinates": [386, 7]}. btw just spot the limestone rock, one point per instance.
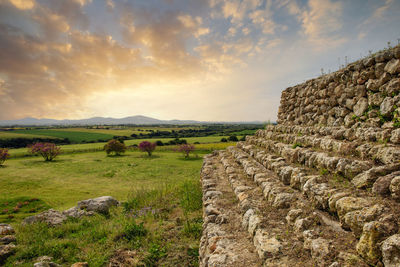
{"type": "Point", "coordinates": [347, 204]}
{"type": "Point", "coordinates": [321, 250]}
{"type": "Point", "coordinates": [395, 188]}
{"type": "Point", "coordinates": [100, 204]}
{"type": "Point", "coordinates": [266, 246]}
{"type": "Point", "coordinates": [77, 213]}
{"type": "Point", "coordinates": [6, 229]}
{"type": "Point", "coordinates": [360, 107]}
{"type": "Point", "coordinates": [387, 106]}
{"type": "Point", "coordinates": [46, 264]}
{"type": "Point", "coordinates": [6, 251]}
{"type": "Point", "coordinates": [391, 251]}
{"type": "Point", "coordinates": [395, 136]}
{"type": "Point", "coordinates": [7, 239]}
{"type": "Point", "coordinates": [382, 184]}
{"type": "Point", "coordinates": [51, 217]}
{"type": "Point", "coordinates": [393, 66]}
{"type": "Point", "coordinates": [367, 178]}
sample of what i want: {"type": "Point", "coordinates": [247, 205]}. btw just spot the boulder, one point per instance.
{"type": "Point", "coordinates": [321, 250]}
{"type": "Point", "coordinates": [387, 106]}
{"type": "Point", "coordinates": [100, 204]}
{"type": "Point", "coordinates": [382, 185]}
{"type": "Point", "coordinates": [51, 217]}
{"type": "Point", "coordinates": [6, 229]}
{"type": "Point", "coordinates": [391, 251]}
{"type": "Point", "coordinates": [6, 251]}
{"type": "Point", "coordinates": [7, 239]}
{"type": "Point", "coordinates": [395, 136]}
{"type": "Point", "coordinates": [367, 178]}
{"type": "Point", "coordinates": [266, 246]}
{"type": "Point", "coordinates": [77, 213]}
{"type": "Point", "coordinates": [80, 264]}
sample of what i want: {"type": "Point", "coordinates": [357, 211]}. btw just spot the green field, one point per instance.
{"type": "Point", "coordinates": [73, 136]}
{"type": "Point", "coordinates": [207, 144]}
{"type": "Point", "coordinates": [14, 134]}
{"type": "Point", "coordinates": [166, 183]}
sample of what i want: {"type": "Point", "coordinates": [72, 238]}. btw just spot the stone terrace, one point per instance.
{"type": "Point", "coordinates": [321, 188]}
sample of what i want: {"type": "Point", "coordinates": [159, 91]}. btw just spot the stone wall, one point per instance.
{"type": "Point", "coordinates": [365, 93]}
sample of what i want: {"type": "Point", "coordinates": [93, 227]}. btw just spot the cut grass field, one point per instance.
{"type": "Point", "coordinates": [207, 144]}
{"type": "Point", "coordinates": [165, 184]}
{"type": "Point", "coordinates": [73, 136]}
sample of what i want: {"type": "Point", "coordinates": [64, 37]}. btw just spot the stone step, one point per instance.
{"type": "Point", "coordinates": [363, 174]}
{"type": "Point", "coordinates": [362, 134]}
{"type": "Point", "coordinates": [319, 232]}
{"type": "Point", "coordinates": [378, 152]}
{"type": "Point", "coordinates": [356, 211]}
{"type": "Point", "coordinates": [223, 241]}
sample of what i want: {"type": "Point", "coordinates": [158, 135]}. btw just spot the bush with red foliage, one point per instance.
{"type": "Point", "coordinates": [148, 147]}
{"type": "Point", "coordinates": [48, 151]}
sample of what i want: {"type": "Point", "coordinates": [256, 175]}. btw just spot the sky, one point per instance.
{"type": "Point", "coordinates": [208, 60]}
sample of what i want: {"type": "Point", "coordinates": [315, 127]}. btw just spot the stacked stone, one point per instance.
{"type": "Point", "coordinates": [329, 171]}
{"type": "Point", "coordinates": [7, 240]}
{"type": "Point", "coordinates": [365, 93]}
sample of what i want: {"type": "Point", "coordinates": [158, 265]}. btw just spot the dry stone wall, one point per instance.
{"type": "Point", "coordinates": [321, 188]}
{"type": "Point", "coordinates": [365, 93]}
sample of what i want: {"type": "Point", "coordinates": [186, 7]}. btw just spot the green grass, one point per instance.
{"type": "Point", "coordinates": [73, 136]}
{"type": "Point", "coordinates": [166, 184]}
{"type": "Point", "coordinates": [90, 175]}
{"type": "Point", "coordinates": [207, 144]}
{"type": "Point", "coordinates": [245, 132]}
{"type": "Point", "coordinates": [13, 134]}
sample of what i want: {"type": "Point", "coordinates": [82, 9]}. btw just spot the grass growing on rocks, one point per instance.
{"type": "Point", "coordinates": [147, 230]}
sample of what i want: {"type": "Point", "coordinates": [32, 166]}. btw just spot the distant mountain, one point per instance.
{"type": "Point", "coordinates": [140, 120]}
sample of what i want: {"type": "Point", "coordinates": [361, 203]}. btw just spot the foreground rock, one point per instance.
{"type": "Point", "coordinates": [84, 208]}
{"type": "Point", "coordinates": [100, 204]}
{"type": "Point", "coordinates": [51, 217]}
{"type": "Point", "coordinates": [6, 251]}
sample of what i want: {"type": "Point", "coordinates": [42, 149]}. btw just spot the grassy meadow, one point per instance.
{"type": "Point", "coordinates": [207, 144]}
{"type": "Point", "coordinates": [159, 222]}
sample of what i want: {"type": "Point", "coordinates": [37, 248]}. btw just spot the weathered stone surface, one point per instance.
{"type": "Point", "coordinates": [355, 220]}
{"type": "Point", "coordinates": [347, 204]}
{"type": "Point", "coordinates": [46, 264]}
{"type": "Point", "coordinates": [395, 187]}
{"type": "Point", "coordinates": [387, 106]}
{"type": "Point", "coordinates": [321, 250]}
{"type": "Point", "coordinates": [6, 251]}
{"type": "Point", "coordinates": [266, 246]}
{"type": "Point", "coordinates": [6, 229]}
{"type": "Point", "coordinates": [382, 184]}
{"type": "Point", "coordinates": [77, 213]}
{"type": "Point", "coordinates": [393, 66]}
{"type": "Point", "coordinates": [367, 178]}
{"type": "Point", "coordinates": [100, 204]}
{"type": "Point", "coordinates": [361, 106]}
{"type": "Point", "coordinates": [395, 136]}
{"type": "Point", "coordinates": [391, 251]}
{"type": "Point", "coordinates": [293, 215]}
{"type": "Point", "coordinates": [7, 239]}
{"type": "Point", "coordinates": [51, 217]}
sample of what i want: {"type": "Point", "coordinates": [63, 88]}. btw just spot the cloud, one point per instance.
{"type": "Point", "coordinates": [23, 4]}
{"type": "Point", "coordinates": [321, 21]}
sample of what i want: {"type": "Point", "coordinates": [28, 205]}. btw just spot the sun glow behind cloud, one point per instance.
{"type": "Point", "coordinates": [184, 59]}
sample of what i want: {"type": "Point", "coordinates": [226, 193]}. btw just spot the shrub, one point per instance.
{"type": "Point", "coordinates": [114, 146]}
{"type": "Point", "coordinates": [186, 149]}
{"type": "Point", "coordinates": [48, 151]}
{"type": "Point", "coordinates": [3, 155]}
{"type": "Point", "coordinates": [224, 140]}
{"type": "Point", "coordinates": [233, 138]}
{"type": "Point", "coordinates": [148, 147]}
{"type": "Point", "coordinates": [159, 143]}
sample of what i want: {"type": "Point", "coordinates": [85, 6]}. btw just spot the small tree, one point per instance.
{"type": "Point", "coordinates": [186, 149]}
{"type": "Point", "coordinates": [3, 155]}
{"type": "Point", "coordinates": [114, 146]}
{"type": "Point", "coordinates": [148, 147]}
{"type": "Point", "coordinates": [47, 150]}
